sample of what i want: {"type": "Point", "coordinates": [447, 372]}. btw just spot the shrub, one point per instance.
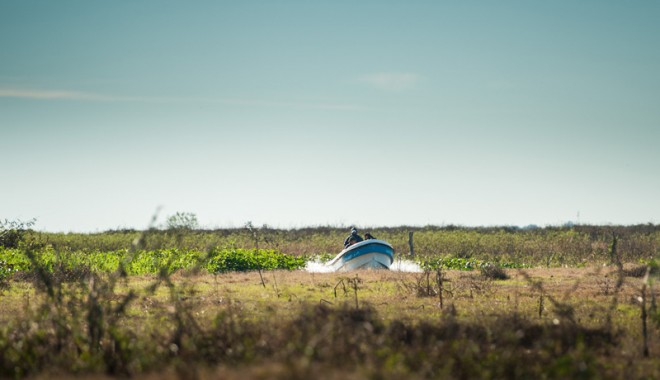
{"type": "Point", "coordinates": [182, 221]}
{"type": "Point", "coordinates": [12, 232]}
{"type": "Point", "coordinates": [236, 259]}
{"type": "Point", "coordinates": [6, 271]}
{"type": "Point", "coordinates": [494, 272]}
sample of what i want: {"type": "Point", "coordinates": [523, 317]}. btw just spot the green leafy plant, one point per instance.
{"type": "Point", "coordinates": [234, 259]}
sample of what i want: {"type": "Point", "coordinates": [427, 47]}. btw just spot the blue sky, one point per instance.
{"type": "Point", "coordinates": [299, 113]}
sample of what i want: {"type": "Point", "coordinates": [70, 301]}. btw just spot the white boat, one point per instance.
{"type": "Point", "coordinates": [367, 254]}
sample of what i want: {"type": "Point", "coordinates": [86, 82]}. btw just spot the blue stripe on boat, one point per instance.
{"type": "Point", "coordinates": [369, 248]}
{"type": "Point", "coordinates": [378, 253]}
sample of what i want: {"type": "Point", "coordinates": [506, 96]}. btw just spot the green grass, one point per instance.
{"type": "Point", "coordinates": [229, 250]}
{"type": "Point", "coordinates": [548, 247]}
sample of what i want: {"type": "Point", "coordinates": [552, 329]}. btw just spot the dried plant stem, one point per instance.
{"type": "Point", "coordinates": [355, 288]}
{"type": "Point", "coordinates": [645, 343]}
{"type": "Point", "coordinates": [263, 283]}
{"type": "Point", "coordinates": [439, 280]}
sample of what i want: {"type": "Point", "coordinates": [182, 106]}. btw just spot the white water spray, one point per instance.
{"type": "Point", "coordinates": [405, 266]}
{"type": "Point", "coordinates": [397, 266]}
{"type": "Point", "coordinates": [317, 267]}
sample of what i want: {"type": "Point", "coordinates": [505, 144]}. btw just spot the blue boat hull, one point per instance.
{"type": "Point", "coordinates": [368, 254]}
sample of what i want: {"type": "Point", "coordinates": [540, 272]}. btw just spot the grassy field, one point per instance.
{"type": "Point", "coordinates": [583, 305]}
{"type": "Point", "coordinates": [547, 247]}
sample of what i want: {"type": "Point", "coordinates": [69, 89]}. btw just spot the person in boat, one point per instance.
{"type": "Point", "coordinates": [352, 238]}
{"type": "Point", "coordinates": [368, 236]}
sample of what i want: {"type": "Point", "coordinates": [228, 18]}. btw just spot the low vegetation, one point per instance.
{"type": "Point", "coordinates": [182, 303]}
{"type": "Point", "coordinates": [548, 247]}
{"type": "Point", "coordinates": [140, 262]}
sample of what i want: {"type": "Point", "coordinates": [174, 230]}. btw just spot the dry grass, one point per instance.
{"type": "Point", "coordinates": [569, 319]}
{"type": "Point", "coordinates": [393, 294]}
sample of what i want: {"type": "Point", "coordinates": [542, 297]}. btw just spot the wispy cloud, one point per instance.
{"type": "Point", "coordinates": [38, 94]}
{"type": "Point", "coordinates": [46, 94]}
{"type": "Point", "coordinates": [269, 103]}
{"type": "Point", "coordinates": [391, 81]}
